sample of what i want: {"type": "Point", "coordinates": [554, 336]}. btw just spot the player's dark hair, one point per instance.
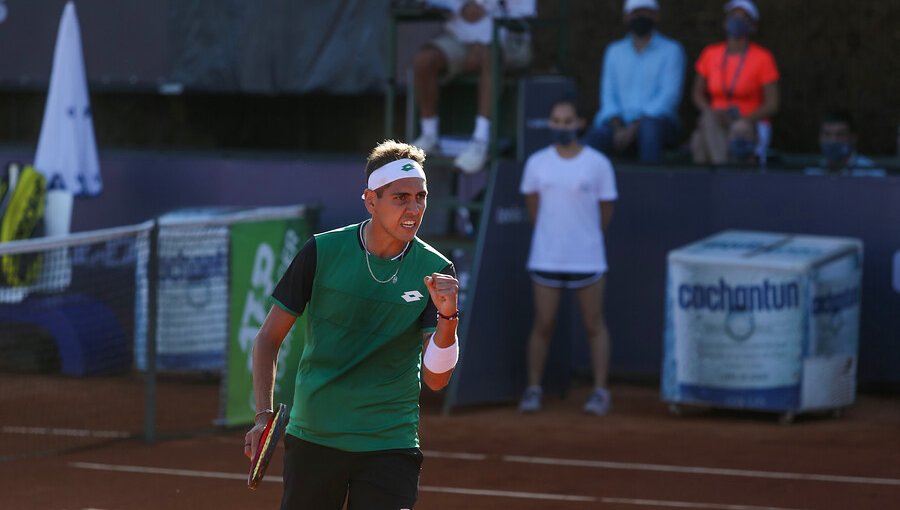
{"type": "Point", "coordinates": [392, 150]}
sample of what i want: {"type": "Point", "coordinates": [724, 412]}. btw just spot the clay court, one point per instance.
{"type": "Point", "coordinates": [491, 457]}
{"type": "Point", "coordinates": [178, 154]}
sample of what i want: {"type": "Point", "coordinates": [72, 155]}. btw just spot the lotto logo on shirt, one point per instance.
{"type": "Point", "coordinates": [411, 295]}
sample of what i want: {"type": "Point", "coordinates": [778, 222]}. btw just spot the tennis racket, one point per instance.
{"type": "Point", "coordinates": [267, 444]}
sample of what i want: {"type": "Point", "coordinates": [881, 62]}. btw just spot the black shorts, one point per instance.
{"type": "Point", "coordinates": [321, 478]}
{"type": "Point", "coordinates": [565, 280]}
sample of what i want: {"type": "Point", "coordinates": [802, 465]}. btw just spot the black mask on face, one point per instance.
{"type": "Point", "coordinates": [563, 136]}
{"type": "Point", "coordinates": [641, 25]}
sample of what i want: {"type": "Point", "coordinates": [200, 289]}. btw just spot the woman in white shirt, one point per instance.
{"type": "Point", "coordinates": [569, 189]}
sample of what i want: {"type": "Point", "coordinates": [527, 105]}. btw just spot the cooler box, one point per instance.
{"type": "Point", "coordinates": [763, 321]}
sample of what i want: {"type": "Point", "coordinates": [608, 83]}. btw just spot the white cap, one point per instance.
{"type": "Point", "coordinates": [746, 5]}
{"type": "Point", "coordinates": [633, 5]}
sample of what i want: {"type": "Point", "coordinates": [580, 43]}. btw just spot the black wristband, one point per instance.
{"type": "Point", "coordinates": [454, 317]}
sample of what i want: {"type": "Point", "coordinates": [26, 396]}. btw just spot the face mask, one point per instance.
{"type": "Point", "coordinates": [563, 136]}
{"type": "Point", "coordinates": [737, 27]}
{"type": "Point", "coordinates": [835, 151]}
{"type": "Point", "coordinates": [641, 25]}
{"type": "Point", "coordinates": [741, 148]}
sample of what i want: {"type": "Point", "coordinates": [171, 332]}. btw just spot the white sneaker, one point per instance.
{"type": "Point", "coordinates": [531, 400]}
{"type": "Point", "coordinates": [472, 159]}
{"type": "Point", "coordinates": [598, 403]}
{"type": "Point", "coordinates": [428, 143]}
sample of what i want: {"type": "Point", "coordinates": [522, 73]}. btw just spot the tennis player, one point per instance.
{"type": "Point", "coordinates": [381, 308]}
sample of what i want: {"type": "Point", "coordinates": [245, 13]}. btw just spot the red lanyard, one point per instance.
{"type": "Point", "coordinates": [729, 90]}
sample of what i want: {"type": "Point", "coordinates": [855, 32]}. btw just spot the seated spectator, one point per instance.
{"type": "Point", "coordinates": [837, 141]}
{"type": "Point", "coordinates": [464, 47]}
{"type": "Point", "coordinates": [736, 91]}
{"type": "Point", "coordinates": [743, 142]}
{"type": "Point", "coordinates": [640, 88]}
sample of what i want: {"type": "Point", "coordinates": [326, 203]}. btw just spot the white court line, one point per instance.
{"type": "Point", "coordinates": [702, 470]}
{"type": "Point", "coordinates": [167, 471]}
{"type": "Point", "coordinates": [444, 490]}
{"type": "Point", "coordinates": [239, 476]}
{"type": "Point", "coordinates": [453, 455]}
{"type": "Point", "coordinates": [48, 431]}
{"type": "Point", "coordinates": [687, 504]}
{"type": "Point", "coordinates": [506, 494]}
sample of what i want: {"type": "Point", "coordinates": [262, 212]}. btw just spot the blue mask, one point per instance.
{"type": "Point", "coordinates": [737, 27]}
{"type": "Point", "coordinates": [836, 151]}
{"type": "Point", "coordinates": [563, 136]}
{"type": "Point", "coordinates": [741, 148]}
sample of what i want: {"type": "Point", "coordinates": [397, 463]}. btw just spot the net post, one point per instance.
{"type": "Point", "coordinates": [152, 306]}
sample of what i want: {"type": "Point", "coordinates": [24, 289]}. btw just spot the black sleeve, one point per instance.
{"type": "Point", "coordinates": [428, 319]}
{"type": "Point", "coordinates": [295, 287]}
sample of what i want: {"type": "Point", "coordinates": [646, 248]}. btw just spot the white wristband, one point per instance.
{"type": "Point", "coordinates": [440, 359]}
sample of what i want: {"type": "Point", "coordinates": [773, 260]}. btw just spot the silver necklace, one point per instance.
{"type": "Point", "coordinates": [392, 278]}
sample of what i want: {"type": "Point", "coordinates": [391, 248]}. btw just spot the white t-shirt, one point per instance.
{"type": "Point", "coordinates": [568, 237]}
{"type": "Point", "coordinates": [481, 30]}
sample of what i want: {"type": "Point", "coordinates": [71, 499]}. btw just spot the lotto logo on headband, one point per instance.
{"type": "Point", "coordinates": [407, 167]}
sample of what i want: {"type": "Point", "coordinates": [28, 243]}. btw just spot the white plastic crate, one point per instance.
{"type": "Point", "coordinates": [763, 321]}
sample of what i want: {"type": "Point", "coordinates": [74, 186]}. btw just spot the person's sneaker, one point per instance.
{"type": "Point", "coordinates": [472, 159]}
{"type": "Point", "coordinates": [531, 401]}
{"type": "Point", "coordinates": [428, 143]}
{"type": "Point", "coordinates": [598, 403]}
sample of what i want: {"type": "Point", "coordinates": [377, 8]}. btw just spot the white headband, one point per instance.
{"type": "Point", "coordinates": [395, 170]}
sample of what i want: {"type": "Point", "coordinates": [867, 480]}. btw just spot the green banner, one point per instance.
{"type": "Point", "coordinates": [260, 253]}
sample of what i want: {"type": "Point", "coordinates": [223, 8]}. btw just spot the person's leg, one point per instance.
{"type": "Point", "coordinates": [473, 158]}
{"type": "Point", "coordinates": [438, 61]}
{"type": "Point", "coordinates": [699, 154]}
{"type": "Point", "coordinates": [428, 65]}
{"type": "Point", "coordinates": [591, 300]}
{"type": "Point", "coordinates": [600, 137]}
{"type": "Point", "coordinates": [654, 134]}
{"type": "Point", "coordinates": [479, 60]}
{"type": "Point", "coordinates": [387, 480]}
{"type": "Point", "coordinates": [314, 476]}
{"type": "Point", "coordinates": [715, 137]}
{"type": "Point", "coordinates": [546, 305]}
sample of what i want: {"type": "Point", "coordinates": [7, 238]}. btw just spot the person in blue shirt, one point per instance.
{"type": "Point", "coordinates": [640, 88]}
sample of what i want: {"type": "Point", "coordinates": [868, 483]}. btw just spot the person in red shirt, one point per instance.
{"type": "Point", "coordinates": [736, 91]}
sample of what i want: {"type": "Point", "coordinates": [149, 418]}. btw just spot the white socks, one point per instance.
{"type": "Point", "coordinates": [429, 126]}
{"type": "Point", "coordinates": [482, 129]}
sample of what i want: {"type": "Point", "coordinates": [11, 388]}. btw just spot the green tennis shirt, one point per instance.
{"type": "Point", "coordinates": [358, 380]}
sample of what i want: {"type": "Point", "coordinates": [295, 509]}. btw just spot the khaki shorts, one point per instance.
{"type": "Point", "coordinates": [454, 51]}
{"type": "Point", "coordinates": [513, 56]}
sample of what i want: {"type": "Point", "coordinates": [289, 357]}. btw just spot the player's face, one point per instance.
{"type": "Point", "coordinates": [401, 207]}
